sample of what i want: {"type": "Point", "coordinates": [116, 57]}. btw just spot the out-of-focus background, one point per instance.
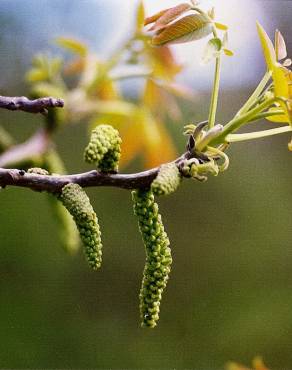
{"type": "Point", "coordinates": [230, 292]}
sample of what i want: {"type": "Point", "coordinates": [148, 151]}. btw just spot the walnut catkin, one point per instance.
{"type": "Point", "coordinates": [104, 148]}
{"type": "Point", "coordinates": [77, 203]}
{"type": "Point", "coordinates": [158, 256]}
{"type": "Point", "coordinates": [167, 180]}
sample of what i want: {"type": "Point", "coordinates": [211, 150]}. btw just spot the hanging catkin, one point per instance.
{"type": "Point", "coordinates": [158, 256]}
{"type": "Point", "coordinates": [77, 203]}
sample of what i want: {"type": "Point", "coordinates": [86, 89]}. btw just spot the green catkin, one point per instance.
{"type": "Point", "coordinates": [167, 180]}
{"type": "Point", "coordinates": [158, 256]}
{"type": "Point", "coordinates": [104, 148]}
{"type": "Point", "coordinates": [77, 203]}
{"type": "Point", "coordinates": [38, 171]}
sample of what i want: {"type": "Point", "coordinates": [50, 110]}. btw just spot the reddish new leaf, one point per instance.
{"type": "Point", "coordinates": [189, 28]}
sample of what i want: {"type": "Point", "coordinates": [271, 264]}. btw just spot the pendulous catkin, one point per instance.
{"type": "Point", "coordinates": [158, 256]}
{"type": "Point", "coordinates": [104, 148]}
{"type": "Point", "coordinates": [78, 204]}
{"type": "Point", "coordinates": [167, 180]}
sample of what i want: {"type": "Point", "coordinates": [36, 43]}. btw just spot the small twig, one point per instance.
{"type": "Point", "coordinates": [33, 147]}
{"type": "Point", "coordinates": [30, 106]}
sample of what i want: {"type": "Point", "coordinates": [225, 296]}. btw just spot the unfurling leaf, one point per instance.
{"type": "Point", "coordinates": [280, 46]}
{"type": "Point", "coordinates": [169, 16]}
{"type": "Point", "coordinates": [140, 16]}
{"type": "Point", "coordinates": [221, 26]}
{"type": "Point", "coordinates": [72, 45]}
{"type": "Point", "coordinates": [190, 28]}
{"type": "Point", "coordinates": [279, 73]}
{"type": "Point", "coordinates": [211, 13]}
{"type": "Point", "coordinates": [228, 53]}
{"type": "Point", "coordinates": [212, 50]}
{"type": "Point", "coordinates": [268, 48]}
{"type": "Point", "coordinates": [154, 17]}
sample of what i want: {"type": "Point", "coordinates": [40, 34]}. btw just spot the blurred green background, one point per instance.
{"type": "Point", "coordinates": [230, 292]}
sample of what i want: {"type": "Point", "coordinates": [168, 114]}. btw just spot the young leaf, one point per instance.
{"type": "Point", "coordinates": [228, 52]}
{"type": "Point", "coordinates": [221, 26]}
{"type": "Point", "coordinates": [211, 13]}
{"type": "Point", "coordinates": [154, 17]}
{"type": "Point", "coordinates": [212, 49]}
{"type": "Point", "coordinates": [268, 48]}
{"type": "Point", "coordinates": [169, 16]}
{"type": "Point", "coordinates": [280, 46]}
{"type": "Point", "coordinates": [140, 16]}
{"type": "Point", "coordinates": [72, 45]}
{"type": "Point", "coordinates": [190, 28]}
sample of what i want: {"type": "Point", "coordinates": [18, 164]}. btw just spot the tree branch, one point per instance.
{"type": "Point", "coordinates": [54, 183]}
{"type": "Point", "coordinates": [38, 144]}
{"type": "Point", "coordinates": [30, 106]}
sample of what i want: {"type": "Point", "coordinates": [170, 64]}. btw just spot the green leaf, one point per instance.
{"type": "Point", "coordinates": [140, 17]}
{"type": "Point", "coordinates": [212, 50]}
{"type": "Point", "coordinates": [189, 28]}
{"type": "Point", "coordinates": [36, 75]}
{"type": "Point", "coordinates": [281, 118]}
{"type": "Point", "coordinates": [228, 52]}
{"type": "Point", "coordinates": [72, 45]}
{"type": "Point", "coordinates": [268, 48]}
{"type": "Point", "coordinates": [46, 89]}
{"type": "Point", "coordinates": [221, 26]}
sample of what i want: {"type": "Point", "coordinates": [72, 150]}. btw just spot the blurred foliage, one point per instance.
{"type": "Point", "coordinates": [257, 364]}
{"type": "Point", "coordinates": [90, 87]}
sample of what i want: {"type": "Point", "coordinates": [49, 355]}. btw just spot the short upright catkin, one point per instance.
{"type": "Point", "coordinates": [158, 256]}
{"type": "Point", "coordinates": [104, 148]}
{"type": "Point", "coordinates": [77, 203]}
{"type": "Point", "coordinates": [167, 180]}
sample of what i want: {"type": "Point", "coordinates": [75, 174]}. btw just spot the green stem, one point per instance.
{"type": "Point", "coordinates": [263, 115]}
{"type": "Point", "coordinates": [237, 122]}
{"type": "Point", "coordinates": [215, 93]}
{"type": "Point", "coordinates": [235, 138]}
{"type": "Point", "coordinates": [216, 85]}
{"type": "Point", "coordinates": [250, 102]}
